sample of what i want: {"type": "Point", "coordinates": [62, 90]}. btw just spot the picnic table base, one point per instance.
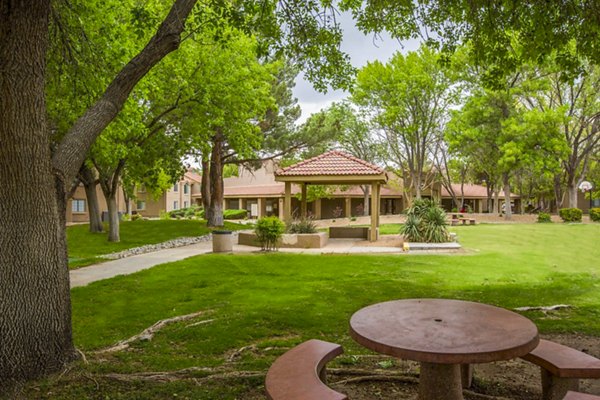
{"type": "Point", "coordinates": [440, 382]}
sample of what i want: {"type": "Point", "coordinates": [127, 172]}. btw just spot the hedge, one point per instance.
{"type": "Point", "coordinates": [235, 214]}
{"type": "Point", "coordinates": [595, 214]}
{"type": "Point", "coordinates": [570, 214]}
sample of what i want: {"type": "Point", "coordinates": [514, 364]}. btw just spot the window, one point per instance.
{"type": "Point", "coordinates": [78, 206]}
{"type": "Point", "coordinates": [185, 204]}
{"type": "Point", "coordinates": [142, 188]}
{"type": "Point", "coordinates": [141, 205]}
{"type": "Point", "coordinates": [175, 205]}
{"type": "Point", "coordinates": [186, 188]}
{"type": "Point", "coordinates": [176, 187]}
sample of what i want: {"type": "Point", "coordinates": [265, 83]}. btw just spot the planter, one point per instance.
{"type": "Point", "coordinates": [349, 232]}
{"type": "Point", "coordinates": [289, 240]}
{"type": "Point", "coordinates": [222, 241]}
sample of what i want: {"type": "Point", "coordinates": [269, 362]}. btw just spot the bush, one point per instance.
{"type": "Point", "coordinates": [135, 217]}
{"type": "Point", "coordinates": [235, 214]}
{"type": "Point", "coordinates": [162, 214]}
{"type": "Point", "coordinates": [268, 232]}
{"type": "Point", "coordinates": [544, 217]}
{"type": "Point", "coordinates": [303, 225]}
{"type": "Point", "coordinates": [570, 214]}
{"type": "Point", "coordinates": [426, 222]}
{"type": "Point", "coordinates": [595, 214]}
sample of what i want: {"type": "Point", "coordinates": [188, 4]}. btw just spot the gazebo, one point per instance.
{"type": "Point", "coordinates": [333, 168]}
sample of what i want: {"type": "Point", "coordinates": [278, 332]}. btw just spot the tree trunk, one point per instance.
{"type": "Point", "coordinates": [113, 218]}
{"type": "Point", "coordinates": [88, 179]}
{"type": "Point", "coordinates": [366, 190]}
{"type": "Point", "coordinates": [215, 214]}
{"type": "Point", "coordinates": [507, 207]}
{"type": "Point", "coordinates": [35, 307]}
{"type": "Point", "coordinates": [496, 202]}
{"type": "Point", "coordinates": [572, 192]}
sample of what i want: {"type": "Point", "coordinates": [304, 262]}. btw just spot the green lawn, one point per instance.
{"type": "Point", "coordinates": [274, 301]}
{"type": "Point", "coordinates": [84, 247]}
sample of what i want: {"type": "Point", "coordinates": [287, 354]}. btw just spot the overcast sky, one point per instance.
{"type": "Point", "coordinates": [361, 48]}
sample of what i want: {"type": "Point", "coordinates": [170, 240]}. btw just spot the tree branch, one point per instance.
{"type": "Point", "coordinates": [73, 148]}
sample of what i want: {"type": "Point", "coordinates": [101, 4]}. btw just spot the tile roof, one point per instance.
{"type": "Point", "coordinates": [190, 174]}
{"type": "Point", "coordinates": [472, 191]}
{"type": "Point", "coordinates": [332, 163]}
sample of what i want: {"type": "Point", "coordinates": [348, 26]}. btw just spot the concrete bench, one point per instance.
{"type": "Point", "coordinates": [561, 368]}
{"type": "Point", "coordinates": [580, 396]}
{"type": "Point", "coordinates": [299, 374]}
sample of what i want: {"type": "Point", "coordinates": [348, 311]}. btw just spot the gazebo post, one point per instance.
{"type": "Point", "coordinates": [303, 201]}
{"type": "Point", "coordinates": [374, 211]}
{"type": "Point", "coordinates": [287, 204]}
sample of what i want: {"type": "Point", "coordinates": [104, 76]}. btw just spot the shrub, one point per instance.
{"type": "Point", "coordinates": [425, 222]}
{"type": "Point", "coordinates": [268, 232]}
{"type": "Point", "coordinates": [595, 214]}
{"type": "Point", "coordinates": [235, 214]}
{"type": "Point", "coordinates": [162, 214]}
{"type": "Point", "coordinates": [135, 217]}
{"type": "Point", "coordinates": [544, 217]}
{"type": "Point", "coordinates": [570, 214]}
{"type": "Point", "coordinates": [199, 213]}
{"type": "Point", "coordinates": [302, 225]}
{"type": "Point", "coordinates": [337, 212]}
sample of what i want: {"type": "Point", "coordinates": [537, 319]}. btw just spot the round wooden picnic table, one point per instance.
{"type": "Point", "coordinates": [443, 334]}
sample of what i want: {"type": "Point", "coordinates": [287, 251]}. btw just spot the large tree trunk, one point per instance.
{"type": "Point", "coordinates": [572, 192]}
{"type": "Point", "coordinates": [215, 211]}
{"type": "Point", "coordinates": [113, 218]}
{"type": "Point", "coordinates": [35, 308]}
{"type": "Point", "coordinates": [89, 181]}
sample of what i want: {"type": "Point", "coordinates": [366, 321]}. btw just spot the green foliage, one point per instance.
{"type": "Point", "coordinates": [570, 214]}
{"type": "Point", "coordinates": [164, 215]}
{"type": "Point", "coordinates": [235, 214]}
{"type": "Point", "coordinates": [302, 225]}
{"type": "Point", "coordinates": [595, 214]}
{"type": "Point", "coordinates": [188, 212]}
{"type": "Point", "coordinates": [269, 231]}
{"type": "Point", "coordinates": [425, 222]}
{"type": "Point", "coordinates": [544, 217]}
{"type": "Point", "coordinates": [136, 217]}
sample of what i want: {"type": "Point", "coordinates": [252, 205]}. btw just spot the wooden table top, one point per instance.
{"type": "Point", "coordinates": [443, 331]}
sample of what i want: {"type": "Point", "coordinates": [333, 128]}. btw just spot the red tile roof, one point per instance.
{"type": "Point", "coordinates": [471, 191]}
{"type": "Point", "coordinates": [332, 163]}
{"type": "Point", "coordinates": [193, 176]}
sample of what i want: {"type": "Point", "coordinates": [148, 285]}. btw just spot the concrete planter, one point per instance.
{"type": "Point", "coordinates": [289, 240]}
{"type": "Point", "coordinates": [222, 241]}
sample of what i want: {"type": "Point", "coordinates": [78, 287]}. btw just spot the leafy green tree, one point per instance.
{"type": "Point", "coordinates": [408, 98]}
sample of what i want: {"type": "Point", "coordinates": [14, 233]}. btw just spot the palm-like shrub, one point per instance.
{"type": "Point", "coordinates": [425, 222]}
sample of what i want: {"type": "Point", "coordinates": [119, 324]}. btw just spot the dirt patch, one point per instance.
{"type": "Point", "coordinates": [514, 379]}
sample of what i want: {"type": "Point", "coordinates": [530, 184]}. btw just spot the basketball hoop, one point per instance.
{"type": "Point", "coordinates": [585, 186]}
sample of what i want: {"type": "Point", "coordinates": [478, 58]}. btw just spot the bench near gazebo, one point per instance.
{"type": "Point", "coordinates": [333, 168]}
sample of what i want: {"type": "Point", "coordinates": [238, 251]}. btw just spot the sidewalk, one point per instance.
{"type": "Point", "coordinates": [130, 265]}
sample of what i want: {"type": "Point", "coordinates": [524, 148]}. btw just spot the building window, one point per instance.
{"type": "Point", "coordinates": [186, 188]}
{"type": "Point", "coordinates": [141, 205]}
{"type": "Point", "coordinates": [175, 205]}
{"type": "Point", "coordinates": [78, 206]}
{"type": "Point", "coordinates": [176, 187]}
{"type": "Point", "coordinates": [142, 188]}
{"type": "Point", "coordinates": [185, 204]}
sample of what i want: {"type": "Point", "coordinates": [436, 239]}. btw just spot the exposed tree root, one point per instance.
{"type": "Point", "coordinates": [547, 308]}
{"type": "Point", "coordinates": [379, 378]}
{"type": "Point", "coordinates": [182, 374]}
{"type": "Point", "coordinates": [148, 333]}
{"type": "Point", "coordinates": [238, 353]}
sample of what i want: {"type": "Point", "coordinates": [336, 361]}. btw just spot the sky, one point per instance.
{"type": "Point", "coordinates": [361, 49]}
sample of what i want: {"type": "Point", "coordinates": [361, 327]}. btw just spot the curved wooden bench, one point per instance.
{"type": "Point", "coordinates": [299, 374]}
{"type": "Point", "coordinates": [580, 396]}
{"type": "Point", "coordinates": [562, 367]}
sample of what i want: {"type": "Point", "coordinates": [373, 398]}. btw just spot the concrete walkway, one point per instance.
{"type": "Point", "coordinates": [130, 265]}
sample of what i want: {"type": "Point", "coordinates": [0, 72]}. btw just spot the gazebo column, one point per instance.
{"type": "Point", "coordinates": [374, 210]}
{"type": "Point", "coordinates": [318, 209]}
{"type": "Point", "coordinates": [287, 203]}
{"type": "Point", "coordinates": [303, 201]}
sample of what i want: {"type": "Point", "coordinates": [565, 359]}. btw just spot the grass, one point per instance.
{"type": "Point", "coordinates": [274, 301]}
{"type": "Point", "coordinates": [87, 248]}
